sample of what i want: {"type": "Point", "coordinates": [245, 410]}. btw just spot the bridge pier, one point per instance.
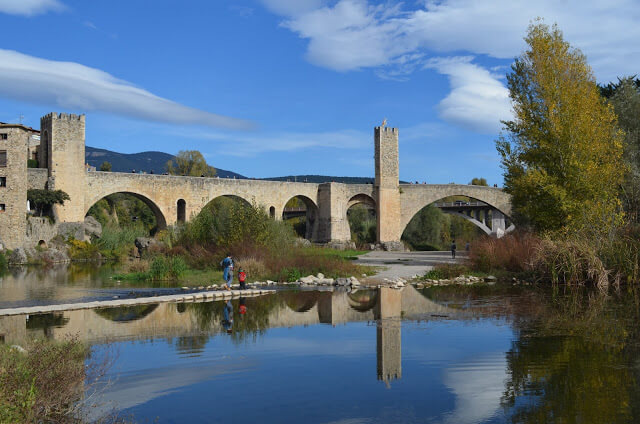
{"type": "Point", "coordinates": [498, 224]}
{"type": "Point", "coordinates": [332, 224]}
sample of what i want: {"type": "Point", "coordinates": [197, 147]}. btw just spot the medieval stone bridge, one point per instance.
{"type": "Point", "coordinates": [174, 198]}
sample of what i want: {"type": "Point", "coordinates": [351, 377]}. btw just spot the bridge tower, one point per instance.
{"type": "Point", "coordinates": [63, 155]}
{"type": "Point", "coordinates": [387, 185]}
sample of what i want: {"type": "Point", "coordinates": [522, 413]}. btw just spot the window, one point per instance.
{"type": "Point", "coordinates": [2, 207]}
{"type": "Point", "coordinates": [3, 158]}
{"type": "Point", "coordinates": [3, 181]}
{"type": "Point", "coordinates": [4, 136]}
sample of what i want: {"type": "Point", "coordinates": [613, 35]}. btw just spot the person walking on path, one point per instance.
{"type": "Point", "coordinates": [453, 249]}
{"type": "Point", "coordinates": [227, 275]}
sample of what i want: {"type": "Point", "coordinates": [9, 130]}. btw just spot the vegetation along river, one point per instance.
{"type": "Point", "coordinates": [457, 354]}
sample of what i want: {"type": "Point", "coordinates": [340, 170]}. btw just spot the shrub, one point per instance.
{"type": "Point", "coordinates": [513, 252]}
{"type": "Point", "coordinates": [42, 384]}
{"type": "Point", "coordinates": [82, 250]}
{"type": "Point", "coordinates": [3, 262]}
{"type": "Point", "coordinates": [167, 268]}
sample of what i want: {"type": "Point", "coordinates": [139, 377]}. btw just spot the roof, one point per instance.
{"type": "Point", "coordinates": [24, 127]}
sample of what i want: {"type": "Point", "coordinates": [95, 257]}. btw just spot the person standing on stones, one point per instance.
{"type": "Point", "coordinates": [453, 249]}
{"type": "Point", "coordinates": [227, 264]}
{"type": "Point", "coordinates": [242, 277]}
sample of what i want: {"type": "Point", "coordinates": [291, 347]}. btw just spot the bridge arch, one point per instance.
{"type": "Point", "coordinates": [361, 216]}
{"type": "Point", "coordinates": [416, 197]}
{"type": "Point", "coordinates": [308, 209]}
{"type": "Point", "coordinates": [160, 215]}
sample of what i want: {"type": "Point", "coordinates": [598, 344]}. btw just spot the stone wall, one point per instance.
{"type": "Point", "coordinates": [13, 194]}
{"type": "Point", "coordinates": [39, 228]}
{"type": "Point", "coordinates": [37, 178]}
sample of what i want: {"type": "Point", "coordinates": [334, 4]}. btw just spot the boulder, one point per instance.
{"type": "Point", "coordinates": [341, 245]}
{"type": "Point", "coordinates": [54, 256]}
{"type": "Point", "coordinates": [71, 230]}
{"type": "Point", "coordinates": [144, 243]}
{"type": "Point", "coordinates": [301, 242]}
{"type": "Point", "coordinates": [92, 227]}
{"type": "Point", "coordinates": [18, 256]}
{"type": "Point", "coordinates": [393, 246]}
{"type": "Point", "coordinates": [342, 282]}
{"type": "Point", "coordinates": [320, 276]}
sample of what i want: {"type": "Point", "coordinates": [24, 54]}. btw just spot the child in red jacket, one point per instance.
{"type": "Point", "coordinates": [242, 277]}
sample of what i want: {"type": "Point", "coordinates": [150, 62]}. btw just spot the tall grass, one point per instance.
{"type": "Point", "coordinates": [117, 241]}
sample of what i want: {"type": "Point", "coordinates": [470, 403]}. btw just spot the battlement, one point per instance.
{"type": "Point", "coordinates": [64, 116]}
{"type": "Point", "coordinates": [387, 129]}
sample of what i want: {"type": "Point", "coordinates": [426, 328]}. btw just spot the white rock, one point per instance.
{"type": "Point", "coordinates": [320, 276]}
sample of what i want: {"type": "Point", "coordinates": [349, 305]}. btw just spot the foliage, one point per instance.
{"type": "Point", "coordinates": [42, 384]}
{"type": "Point", "coordinates": [190, 163]}
{"type": "Point", "coordinates": [83, 250]}
{"type": "Point", "coordinates": [43, 200]}
{"type": "Point", "coordinates": [105, 166]}
{"type": "Point", "coordinates": [3, 262]}
{"type": "Point", "coordinates": [513, 253]}
{"type": "Point", "coordinates": [117, 241]}
{"type": "Point", "coordinates": [479, 182]}
{"type": "Point", "coordinates": [123, 210]}
{"type": "Point", "coordinates": [563, 155]}
{"type": "Point", "coordinates": [163, 268]}
{"type": "Point", "coordinates": [228, 221]}
{"type": "Point", "coordinates": [432, 229]}
{"type": "Point", "coordinates": [32, 163]}
{"type": "Point", "coordinates": [363, 224]}
{"type": "Point", "coordinates": [625, 99]}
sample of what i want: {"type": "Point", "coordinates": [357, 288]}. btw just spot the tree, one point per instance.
{"type": "Point", "coordinates": [562, 155]}
{"type": "Point", "coordinates": [624, 96]}
{"type": "Point", "coordinates": [43, 200]}
{"type": "Point", "coordinates": [479, 182]}
{"type": "Point", "coordinates": [190, 163]}
{"type": "Point", "coordinates": [105, 167]}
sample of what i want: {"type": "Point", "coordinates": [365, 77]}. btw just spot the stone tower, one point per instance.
{"type": "Point", "coordinates": [62, 152]}
{"type": "Point", "coordinates": [387, 184]}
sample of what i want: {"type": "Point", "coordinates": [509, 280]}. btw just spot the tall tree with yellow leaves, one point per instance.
{"type": "Point", "coordinates": [562, 153]}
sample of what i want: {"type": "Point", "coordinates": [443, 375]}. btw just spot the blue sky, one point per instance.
{"type": "Point", "coordinates": [276, 87]}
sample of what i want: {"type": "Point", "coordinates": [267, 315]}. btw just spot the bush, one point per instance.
{"type": "Point", "coordinates": [3, 262]}
{"type": "Point", "coordinates": [43, 384]}
{"type": "Point", "coordinates": [513, 252]}
{"type": "Point", "coordinates": [167, 268]}
{"type": "Point", "coordinates": [117, 241]}
{"type": "Point", "coordinates": [83, 250]}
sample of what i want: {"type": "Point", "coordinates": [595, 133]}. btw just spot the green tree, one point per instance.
{"type": "Point", "coordinates": [43, 200]}
{"type": "Point", "coordinates": [190, 163]}
{"type": "Point", "coordinates": [624, 96]}
{"type": "Point", "coordinates": [479, 182]}
{"type": "Point", "coordinates": [105, 167]}
{"type": "Point", "coordinates": [562, 155]}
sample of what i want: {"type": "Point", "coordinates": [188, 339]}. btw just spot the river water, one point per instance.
{"type": "Point", "coordinates": [473, 354]}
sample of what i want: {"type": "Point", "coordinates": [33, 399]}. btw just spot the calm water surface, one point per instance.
{"type": "Point", "coordinates": [491, 354]}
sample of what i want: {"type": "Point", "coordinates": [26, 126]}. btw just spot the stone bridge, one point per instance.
{"type": "Point", "coordinates": [174, 199]}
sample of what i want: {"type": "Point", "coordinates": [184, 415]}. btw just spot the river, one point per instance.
{"type": "Point", "coordinates": [471, 354]}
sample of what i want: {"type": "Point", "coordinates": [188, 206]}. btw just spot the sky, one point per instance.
{"type": "Point", "coordinates": [284, 87]}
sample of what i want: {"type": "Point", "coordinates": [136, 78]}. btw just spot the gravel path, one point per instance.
{"type": "Point", "coordinates": [405, 264]}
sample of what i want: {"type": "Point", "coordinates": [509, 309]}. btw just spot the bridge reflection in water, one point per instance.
{"type": "Point", "coordinates": [190, 325]}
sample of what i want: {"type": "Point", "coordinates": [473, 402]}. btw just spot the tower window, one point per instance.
{"type": "Point", "coordinates": [2, 207]}
{"type": "Point", "coordinates": [4, 136]}
{"type": "Point", "coordinates": [3, 181]}
{"type": "Point", "coordinates": [3, 158]}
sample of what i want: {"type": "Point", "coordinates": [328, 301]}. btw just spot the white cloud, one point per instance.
{"type": "Point", "coordinates": [29, 7]}
{"type": "Point", "coordinates": [246, 144]}
{"type": "Point", "coordinates": [477, 101]}
{"type": "Point", "coordinates": [352, 34]}
{"type": "Point", "coordinates": [77, 87]}
{"type": "Point", "coordinates": [396, 39]}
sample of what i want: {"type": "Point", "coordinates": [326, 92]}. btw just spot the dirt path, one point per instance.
{"type": "Point", "coordinates": [405, 264]}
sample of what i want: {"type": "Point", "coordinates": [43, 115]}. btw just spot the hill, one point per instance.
{"type": "Point", "coordinates": [318, 179]}
{"type": "Point", "coordinates": [145, 161]}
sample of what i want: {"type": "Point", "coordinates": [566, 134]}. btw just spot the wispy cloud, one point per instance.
{"type": "Point", "coordinates": [77, 87]}
{"type": "Point", "coordinates": [252, 144]}
{"type": "Point", "coordinates": [30, 7]}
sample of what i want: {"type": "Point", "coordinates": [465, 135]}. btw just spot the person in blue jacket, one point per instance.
{"type": "Point", "coordinates": [227, 264]}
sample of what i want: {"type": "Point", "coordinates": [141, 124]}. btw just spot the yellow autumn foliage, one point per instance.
{"type": "Point", "coordinates": [563, 152]}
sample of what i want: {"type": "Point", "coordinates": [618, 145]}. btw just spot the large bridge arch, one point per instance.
{"type": "Point", "coordinates": [311, 213]}
{"type": "Point", "coordinates": [158, 212]}
{"type": "Point", "coordinates": [414, 198]}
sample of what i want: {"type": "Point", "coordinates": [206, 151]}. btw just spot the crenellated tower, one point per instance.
{"type": "Point", "coordinates": [387, 184]}
{"type": "Point", "coordinates": [62, 151]}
